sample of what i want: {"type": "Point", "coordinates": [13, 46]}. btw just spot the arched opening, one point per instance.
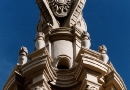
{"type": "Point", "coordinates": [63, 64]}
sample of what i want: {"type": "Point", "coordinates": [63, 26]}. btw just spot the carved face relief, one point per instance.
{"type": "Point", "coordinates": [60, 8]}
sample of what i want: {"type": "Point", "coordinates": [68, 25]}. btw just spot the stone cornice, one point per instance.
{"type": "Point", "coordinates": [114, 78]}
{"type": "Point", "coordinates": [90, 60]}
{"type": "Point", "coordinates": [14, 80]}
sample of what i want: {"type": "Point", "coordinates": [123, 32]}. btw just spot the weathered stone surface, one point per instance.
{"type": "Point", "coordinates": [62, 59]}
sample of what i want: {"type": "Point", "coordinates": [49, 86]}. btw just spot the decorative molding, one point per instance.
{"type": "Point", "coordinates": [47, 14]}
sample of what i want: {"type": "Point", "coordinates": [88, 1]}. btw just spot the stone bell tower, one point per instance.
{"type": "Point", "coordinates": [62, 59]}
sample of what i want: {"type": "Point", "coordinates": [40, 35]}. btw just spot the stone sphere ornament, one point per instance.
{"type": "Point", "coordinates": [22, 55]}
{"type": "Point", "coordinates": [39, 41]}
{"type": "Point", "coordinates": [103, 50]}
{"type": "Point", "coordinates": [85, 42]}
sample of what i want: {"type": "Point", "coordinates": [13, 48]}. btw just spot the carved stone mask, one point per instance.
{"type": "Point", "coordinates": [60, 8]}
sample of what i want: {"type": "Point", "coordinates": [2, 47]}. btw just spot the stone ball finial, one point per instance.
{"type": "Point", "coordinates": [85, 42]}
{"type": "Point", "coordinates": [23, 52]}
{"type": "Point", "coordinates": [39, 41]}
{"type": "Point", "coordinates": [103, 50]}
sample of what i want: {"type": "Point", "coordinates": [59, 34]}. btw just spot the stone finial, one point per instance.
{"type": "Point", "coordinates": [103, 50]}
{"type": "Point", "coordinates": [39, 41]}
{"type": "Point", "coordinates": [40, 35]}
{"type": "Point", "coordinates": [23, 52]}
{"type": "Point", "coordinates": [86, 35]}
{"type": "Point", "coordinates": [85, 40]}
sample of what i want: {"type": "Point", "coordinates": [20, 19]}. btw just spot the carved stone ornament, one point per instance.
{"type": "Point", "coordinates": [62, 13]}
{"type": "Point", "coordinates": [39, 41]}
{"type": "Point", "coordinates": [39, 88]}
{"type": "Point", "coordinates": [22, 59]}
{"type": "Point", "coordinates": [85, 40]}
{"type": "Point", "coordinates": [102, 49]}
{"type": "Point", "coordinates": [91, 88]}
{"type": "Point", "coordinates": [60, 8]}
{"type": "Point", "coordinates": [23, 51]}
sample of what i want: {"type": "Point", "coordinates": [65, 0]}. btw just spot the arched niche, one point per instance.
{"type": "Point", "coordinates": [63, 62]}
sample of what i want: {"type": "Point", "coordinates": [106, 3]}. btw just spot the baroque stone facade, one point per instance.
{"type": "Point", "coordinates": [62, 59]}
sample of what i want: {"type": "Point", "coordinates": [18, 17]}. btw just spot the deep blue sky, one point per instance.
{"type": "Point", "coordinates": [108, 23]}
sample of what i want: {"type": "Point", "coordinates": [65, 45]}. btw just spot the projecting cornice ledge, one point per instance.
{"type": "Point", "coordinates": [62, 33]}
{"type": "Point", "coordinates": [90, 60]}
{"type": "Point", "coordinates": [113, 78]}
{"type": "Point", "coordinates": [37, 62]}
{"type": "Point", "coordinates": [95, 64]}
{"type": "Point", "coordinates": [15, 81]}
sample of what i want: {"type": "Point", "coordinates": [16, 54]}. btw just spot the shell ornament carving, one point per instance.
{"type": "Point", "coordinates": [60, 8]}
